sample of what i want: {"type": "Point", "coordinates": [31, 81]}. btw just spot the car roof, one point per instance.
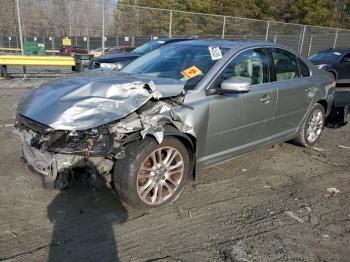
{"type": "Point", "coordinates": [339, 50]}
{"type": "Point", "coordinates": [168, 40]}
{"type": "Point", "coordinates": [230, 44]}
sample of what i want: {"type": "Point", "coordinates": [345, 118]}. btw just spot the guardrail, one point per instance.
{"type": "Point", "coordinates": [13, 60]}
{"type": "Point", "coordinates": [19, 50]}
{"type": "Point", "coordinates": [37, 60]}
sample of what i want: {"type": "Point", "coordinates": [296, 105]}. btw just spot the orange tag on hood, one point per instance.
{"type": "Point", "coordinates": [191, 72]}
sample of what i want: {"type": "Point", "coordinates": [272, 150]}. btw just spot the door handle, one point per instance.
{"type": "Point", "coordinates": [265, 99]}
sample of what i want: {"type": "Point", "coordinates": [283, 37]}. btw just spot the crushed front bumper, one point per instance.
{"type": "Point", "coordinates": [42, 162]}
{"type": "Point", "coordinates": [51, 164]}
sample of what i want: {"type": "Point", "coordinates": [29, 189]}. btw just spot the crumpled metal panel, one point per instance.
{"type": "Point", "coordinates": [153, 121]}
{"type": "Point", "coordinates": [93, 99]}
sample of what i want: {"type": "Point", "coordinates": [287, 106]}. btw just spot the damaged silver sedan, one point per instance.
{"type": "Point", "coordinates": [180, 108]}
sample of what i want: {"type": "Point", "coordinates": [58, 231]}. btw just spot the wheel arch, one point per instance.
{"type": "Point", "coordinates": [323, 103]}
{"type": "Point", "coordinates": [334, 73]}
{"type": "Point", "coordinates": [189, 142]}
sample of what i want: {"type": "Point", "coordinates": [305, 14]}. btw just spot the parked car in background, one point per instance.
{"type": "Point", "coordinates": [98, 51]}
{"type": "Point", "coordinates": [175, 110]}
{"type": "Point", "coordinates": [119, 50]}
{"type": "Point", "coordinates": [118, 61]}
{"type": "Point", "coordinates": [72, 50]}
{"type": "Point", "coordinates": [335, 61]}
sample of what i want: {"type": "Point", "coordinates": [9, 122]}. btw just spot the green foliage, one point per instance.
{"type": "Point", "coordinates": [334, 13]}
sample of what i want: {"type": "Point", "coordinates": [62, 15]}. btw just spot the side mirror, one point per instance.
{"type": "Point", "coordinates": [236, 84]}
{"type": "Point", "coordinates": [346, 60]}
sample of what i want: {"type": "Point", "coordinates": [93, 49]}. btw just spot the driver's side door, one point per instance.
{"type": "Point", "coordinates": [240, 122]}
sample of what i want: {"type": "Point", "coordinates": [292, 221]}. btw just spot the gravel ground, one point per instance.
{"type": "Point", "coordinates": [270, 205]}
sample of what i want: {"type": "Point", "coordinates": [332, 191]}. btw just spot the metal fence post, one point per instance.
{"type": "Point", "coordinates": [19, 27]}
{"type": "Point", "coordinates": [300, 35]}
{"type": "Point", "coordinates": [267, 31]}
{"type": "Point", "coordinates": [103, 27]}
{"type": "Point", "coordinates": [336, 39]}
{"type": "Point", "coordinates": [223, 28]}
{"type": "Point", "coordinates": [302, 40]}
{"type": "Point", "coordinates": [170, 23]}
{"type": "Point", "coordinates": [309, 52]}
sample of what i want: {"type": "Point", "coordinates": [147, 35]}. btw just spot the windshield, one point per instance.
{"type": "Point", "coordinates": [325, 56]}
{"type": "Point", "coordinates": [148, 47]}
{"type": "Point", "coordinates": [180, 62]}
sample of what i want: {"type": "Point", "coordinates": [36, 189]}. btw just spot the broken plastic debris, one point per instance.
{"type": "Point", "coordinates": [189, 214]}
{"type": "Point", "coordinates": [344, 147]}
{"type": "Point", "coordinates": [7, 125]}
{"type": "Point", "coordinates": [333, 190]}
{"type": "Point", "coordinates": [318, 149]}
{"type": "Point", "coordinates": [294, 216]}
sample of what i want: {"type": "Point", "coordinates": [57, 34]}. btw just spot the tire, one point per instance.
{"type": "Point", "coordinates": [144, 179]}
{"type": "Point", "coordinates": [312, 127]}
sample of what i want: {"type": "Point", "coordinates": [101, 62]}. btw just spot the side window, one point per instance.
{"type": "Point", "coordinates": [286, 65]}
{"type": "Point", "coordinates": [346, 58]}
{"type": "Point", "coordinates": [304, 69]}
{"type": "Point", "coordinates": [251, 64]}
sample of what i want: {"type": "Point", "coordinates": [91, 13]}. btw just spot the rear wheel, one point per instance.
{"type": "Point", "coordinates": [312, 127]}
{"type": "Point", "coordinates": [151, 174]}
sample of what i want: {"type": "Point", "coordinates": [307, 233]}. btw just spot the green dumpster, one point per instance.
{"type": "Point", "coordinates": [34, 48]}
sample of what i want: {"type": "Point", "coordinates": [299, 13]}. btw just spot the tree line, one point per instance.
{"type": "Point", "coordinates": [84, 18]}
{"type": "Point", "coordinates": [331, 13]}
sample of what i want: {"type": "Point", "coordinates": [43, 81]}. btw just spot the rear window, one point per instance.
{"type": "Point", "coordinates": [325, 56]}
{"type": "Point", "coordinates": [286, 64]}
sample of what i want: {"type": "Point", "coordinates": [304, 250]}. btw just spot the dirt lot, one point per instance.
{"type": "Point", "coordinates": [239, 211]}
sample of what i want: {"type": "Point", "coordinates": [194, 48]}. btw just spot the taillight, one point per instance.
{"type": "Point", "coordinates": [334, 85]}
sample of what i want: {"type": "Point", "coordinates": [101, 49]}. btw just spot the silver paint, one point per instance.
{"type": "Point", "coordinates": [223, 125]}
{"type": "Point", "coordinates": [93, 99]}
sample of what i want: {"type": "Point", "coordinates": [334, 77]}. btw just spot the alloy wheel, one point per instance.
{"type": "Point", "coordinates": [160, 175]}
{"type": "Point", "coordinates": [315, 126]}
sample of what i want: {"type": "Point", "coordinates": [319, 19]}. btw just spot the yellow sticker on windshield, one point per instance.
{"type": "Point", "coordinates": [191, 72]}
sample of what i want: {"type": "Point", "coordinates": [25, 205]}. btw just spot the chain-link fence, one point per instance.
{"type": "Point", "coordinates": [88, 25]}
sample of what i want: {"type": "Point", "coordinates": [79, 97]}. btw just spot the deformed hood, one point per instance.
{"type": "Point", "coordinates": [93, 99]}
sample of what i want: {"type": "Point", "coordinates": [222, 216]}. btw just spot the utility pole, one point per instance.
{"type": "Point", "coordinates": [19, 26]}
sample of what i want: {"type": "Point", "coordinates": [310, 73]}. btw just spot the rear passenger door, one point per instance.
{"type": "Point", "coordinates": [294, 91]}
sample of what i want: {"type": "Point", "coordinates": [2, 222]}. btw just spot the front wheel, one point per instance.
{"type": "Point", "coordinates": [151, 174]}
{"type": "Point", "coordinates": [312, 127]}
